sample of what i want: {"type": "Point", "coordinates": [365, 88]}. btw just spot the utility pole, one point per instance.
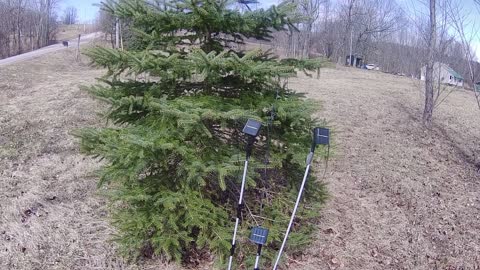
{"type": "Point", "coordinates": [77, 52]}
{"type": "Point", "coordinates": [121, 36]}
{"type": "Point", "coordinates": [117, 34]}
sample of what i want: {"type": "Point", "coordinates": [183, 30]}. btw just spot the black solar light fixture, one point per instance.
{"type": "Point", "coordinates": [251, 129]}
{"type": "Point", "coordinates": [321, 136]}
{"type": "Point", "coordinates": [258, 236]}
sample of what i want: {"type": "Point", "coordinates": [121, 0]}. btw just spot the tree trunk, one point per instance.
{"type": "Point", "coordinates": [47, 24]}
{"type": "Point", "coordinates": [117, 34]}
{"type": "Point", "coordinates": [290, 44]}
{"type": "Point", "coordinates": [19, 27]}
{"type": "Point", "coordinates": [306, 42]}
{"type": "Point", "coordinates": [428, 110]}
{"type": "Point", "coordinates": [19, 34]}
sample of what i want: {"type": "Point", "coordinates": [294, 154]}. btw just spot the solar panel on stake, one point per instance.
{"type": "Point", "coordinates": [251, 129]}
{"type": "Point", "coordinates": [258, 236]}
{"type": "Point", "coordinates": [321, 136]}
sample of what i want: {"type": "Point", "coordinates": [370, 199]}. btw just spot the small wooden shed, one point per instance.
{"type": "Point", "coordinates": [354, 60]}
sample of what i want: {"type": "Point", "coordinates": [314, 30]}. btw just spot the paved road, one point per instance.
{"type": "Point", "coordinates": [33, 54]}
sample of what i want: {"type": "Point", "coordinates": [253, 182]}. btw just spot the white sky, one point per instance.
{"type": "Point", "coordinates": [476, 47]}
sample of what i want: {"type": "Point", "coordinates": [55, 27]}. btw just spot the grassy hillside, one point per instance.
{"type": "Point", "coordinates": [401, 197]}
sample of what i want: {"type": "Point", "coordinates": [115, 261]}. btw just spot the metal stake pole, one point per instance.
{"type": "Point", "coordinates": [257, 259]}
{"type": "Point", "coordinates": [252, 129]}
{"type": "Point", "coordinates": [309, 160]}
{"type": "Point", "coordinates": [321, 136]}
{"type": "Point", "coordinates": [239, 213]}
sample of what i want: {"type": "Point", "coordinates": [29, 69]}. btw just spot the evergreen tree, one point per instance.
{"type": "Point", "coordinates": [178, 98]}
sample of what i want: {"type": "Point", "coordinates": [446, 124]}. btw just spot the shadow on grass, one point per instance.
{"type": "Point", "coordinates": [457, 142]}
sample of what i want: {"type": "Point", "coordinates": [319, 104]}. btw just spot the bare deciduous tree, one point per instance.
{"type": "Point", "coordinates": [397, 39]}
{"type": "Point", "coordinates": [460, 22]}
{"type": "Point", "coordinates": [432, 41]}
{"type": "Point", "coordinates": [310, 9]}
{"type": "Point", "coordinates": [26, 25]}
{"type": "Point", "coordinates": [70, 16]}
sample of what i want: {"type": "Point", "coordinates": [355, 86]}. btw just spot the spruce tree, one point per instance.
{"type": "Point", "coordinates": [178, 98]}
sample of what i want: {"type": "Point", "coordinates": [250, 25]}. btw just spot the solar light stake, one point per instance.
{"type": "Point", "coordinates": [257, 258]}
{"type": "Point", "coordinates": [320, 136]}
{"type": "Point", "coordinates": [259, 236]}
{"type": "Point", "coordinates": [252, 128]}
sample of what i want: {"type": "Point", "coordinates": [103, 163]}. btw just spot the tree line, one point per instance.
{"type": "Point", "coordinates": [70, 16]}
{"type": "Point", "coordinates": [381, 32]}
{"type": "Point", "coordinates": [26, 25]}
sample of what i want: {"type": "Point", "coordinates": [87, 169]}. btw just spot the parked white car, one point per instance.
{"type": "Point", "coordinates": [370, 66]}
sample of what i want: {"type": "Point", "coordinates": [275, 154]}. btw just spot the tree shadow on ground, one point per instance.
{"type": "Point", "coordinates": [462, 144]}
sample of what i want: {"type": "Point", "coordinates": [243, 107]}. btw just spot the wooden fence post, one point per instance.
{"type": "Point", "coordinates": [77, 54]}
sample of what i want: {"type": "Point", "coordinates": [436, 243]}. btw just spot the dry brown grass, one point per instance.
{"type": "Point", "coordinates": [402, 197]}
{"type": "Point", "coordinates": [69, 32]}
{"type": "Point", "coordinates": [51, 215]}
